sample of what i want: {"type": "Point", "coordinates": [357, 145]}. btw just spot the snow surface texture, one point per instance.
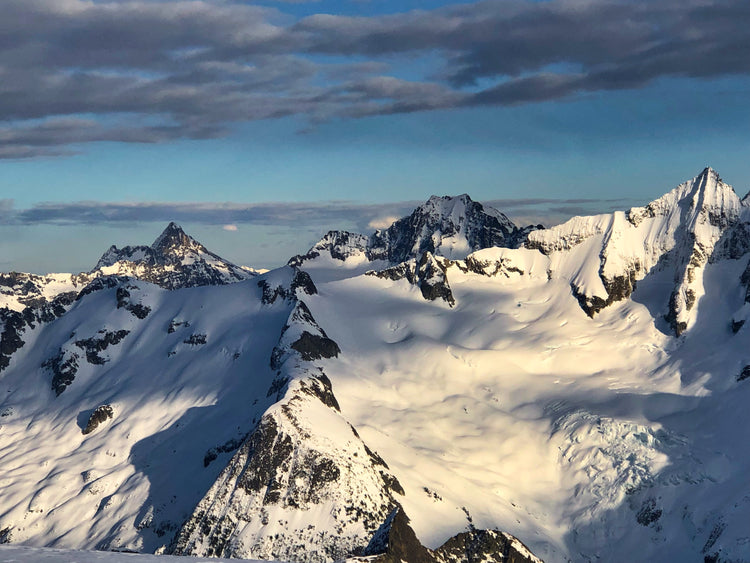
{"type": "Point", "coordinates": [585, 393]}
{"type": "Point", "coordinates": [25, 554]}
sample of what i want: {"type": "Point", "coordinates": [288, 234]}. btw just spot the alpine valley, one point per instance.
{"type": "Point", "coordinates": [454, 388]}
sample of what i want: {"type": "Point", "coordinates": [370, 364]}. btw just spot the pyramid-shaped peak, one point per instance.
{"type": "Point", "coordinates": [172, 237]}
{"type": "Point", "coordinates": [709, 172]}
{"type": "Point", "coordinates": [712, 189]}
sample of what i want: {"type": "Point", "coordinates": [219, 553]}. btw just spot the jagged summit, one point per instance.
{"type": "Point", "coordinates": [171, 243]}
{"type": "Point", "coordinates": [452, 227]}
{"type": "Point", "coordinates": [171, 238]}
{"type": "Point", "coordinates": [703, 198]}
{"type": "Point", "coordinates": [447, 226]}
{"type": "Point", "coordinates": [174, 260]}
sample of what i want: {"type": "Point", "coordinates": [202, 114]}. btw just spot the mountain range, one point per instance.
{"type": "Point", "coordinates": [454, 388]}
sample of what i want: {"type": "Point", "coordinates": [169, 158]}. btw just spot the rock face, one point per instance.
{"type": "Point", "coordinates": [450, 227]}
{"type": "Point", "coordinates": [395, 542]}
{"type": "Point", "coordinates": [284, 284]}
{"type": "Point", "coordinates": [15, 323]}
{"type": "Point", "coordinates": [484, 546]}
{"type": "Point", "coordinates": [296, 490]}
{"type": "Point", "coordinates": [101, 414]}
{"type": "Point", "coordinates": [64, 365]}
{"type": "Point", "coordinates": [173, 261]}
{"type": "Point", "coordinates": [429, 274]}
{"type": "Point", "coordinates": [341, 245]}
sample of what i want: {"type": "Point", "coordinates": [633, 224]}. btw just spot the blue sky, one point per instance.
{"type": "Point", "coordinates": [366, 105]}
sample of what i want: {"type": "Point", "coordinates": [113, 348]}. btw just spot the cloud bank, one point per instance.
{"type": "Point", "coordinates": [362, 217]}
{"type": "Point", "coordinates": [74, 72]}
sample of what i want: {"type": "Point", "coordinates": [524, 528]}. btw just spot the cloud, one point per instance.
{"type": "Point", "coordinates": [6, 209]}
{"type": "Point", "coordinates": [382, 222]}
{"type": "Point", "coordinates": [152, 72]}
{"type": "Point", "coordinates": [314, 216]}
{"type": "Point", "coordinates": [328, 214]}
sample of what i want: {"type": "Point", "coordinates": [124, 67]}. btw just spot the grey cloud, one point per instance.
{"type": "Point", "coordinates": [154, 71]}
{"type": "Point", "coordinates": [316, 215]}
{"type": "Point", "coordinates": [322, 214]}
{"type": "Point", "coordinates": [6, 209]}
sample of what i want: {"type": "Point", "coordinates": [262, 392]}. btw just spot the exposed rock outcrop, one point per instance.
{"type": "Point", "coordinates": [65, 364]}
{"type": "Point", "coordinates": [101, 414]}
{"type": "Point", "coordinates": [452, 227]}
{"type": "Point", "coordinates": [284, 284]}
{"type": "Point", "coordinates": [429, 274]}
{"type": "Point", "coordinates": [395, 541]}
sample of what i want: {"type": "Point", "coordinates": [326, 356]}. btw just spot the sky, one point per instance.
{"type": "Point", "coordinates": [258, 126]}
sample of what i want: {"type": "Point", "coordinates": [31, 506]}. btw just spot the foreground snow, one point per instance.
{"type": "Point", "coordinates": [25, 554]}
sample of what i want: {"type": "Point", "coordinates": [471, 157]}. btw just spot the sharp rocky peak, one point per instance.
{"type": "Point", "coordinates": [452, 227]}
{"type": "Point", "coordinates": [457, 208]}
{"type": "Point", "coordinates": [171, 238]}
{"type": "Point", "coordinates": [447, 226]}
{"type": "Point", "coordinates": [174, 260]}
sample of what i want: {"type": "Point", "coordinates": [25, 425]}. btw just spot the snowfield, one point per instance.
{"type": "Point", "coordinates": [25, 554]}
{"type": "Point", "coordinates": [585, 391]}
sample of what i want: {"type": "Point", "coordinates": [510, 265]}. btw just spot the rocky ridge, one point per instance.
{"type": "Point", "coordinates": [269, 500]}
{"type": "Point", "coordinates": [175, 260]}
{"type": "Point", "coordinates": [395, 542]}
{"type": "Point", "coordinates": [449, 227]}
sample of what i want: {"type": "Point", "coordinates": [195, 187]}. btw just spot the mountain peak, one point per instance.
{"type": "Point", "coordinates": [709, 172]}
{"type": "Point", "coordinates": [449, 199]}
{"type": "Point", "coordinates": [710, 193]}
{"type": "Point", "coordinates": [448, 226]}
{"type": "Point", "coordinates": [174, 260]}
{"type": "Point", "coordinates": [709, 179]}
{"type": "Point", "coordinates": [447, 205]}
{"type": "Point", "coordinates": [172, 237]}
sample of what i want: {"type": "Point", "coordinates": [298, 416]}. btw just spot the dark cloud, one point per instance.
{"type": "Point", "coordinates": [154, 71]}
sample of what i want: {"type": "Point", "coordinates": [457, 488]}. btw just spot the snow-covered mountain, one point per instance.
{"type": "Point", "coordinates": [451, 227]}
{"type": "Point", "coordinates": [700, 221]}
{"type": "Point", "coordinates": [452, 388]}
{"type": "Point", "coordinates": [173, 261]}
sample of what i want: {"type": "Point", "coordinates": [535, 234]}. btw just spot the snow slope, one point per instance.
{"type": "Point", "coordinates": [589, 438]}
{"type": "Point", "coordinates": [25, 554]}
{"type": "Point", "coordinates": [585, 393]}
